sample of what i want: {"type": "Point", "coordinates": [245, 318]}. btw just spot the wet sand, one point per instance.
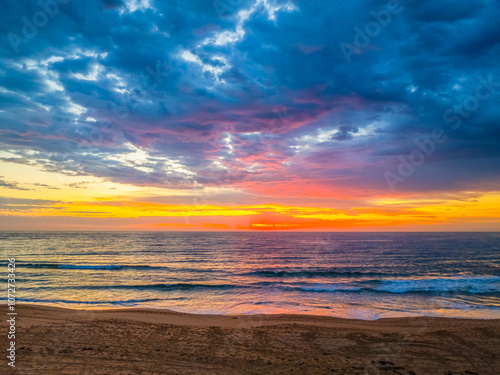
{"type": "Point", "coordinates": [52, 340]}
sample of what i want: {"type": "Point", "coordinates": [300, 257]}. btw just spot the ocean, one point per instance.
{"type": "Point", "coordinates": [349, 275]}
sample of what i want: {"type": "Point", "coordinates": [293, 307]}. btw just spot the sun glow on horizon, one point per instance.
{"type": "Point", "coordinates": [116, 206]}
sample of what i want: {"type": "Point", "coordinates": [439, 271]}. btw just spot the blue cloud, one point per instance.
{"type": "Point", "coordinates": [233, 92]}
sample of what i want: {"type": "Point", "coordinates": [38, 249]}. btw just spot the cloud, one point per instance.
{"type": "Point", "coordinates": [9, 206]}
{"type": "Point", "coordinates": [12, 185]}
{"type": "Point", "coordinates": [251, 96]}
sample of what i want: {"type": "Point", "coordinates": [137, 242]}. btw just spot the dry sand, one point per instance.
{"type": "Point", "coordinates": [63, 341]}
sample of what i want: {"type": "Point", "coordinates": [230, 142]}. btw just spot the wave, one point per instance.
{"type": "Point", "coordinates": [122, 302]}
{"type": "Point", "coordinates": [461, 285]}
{"type": "Point", "coordinates": [180, 286]}
{"type": "Point", "coordinates": [465, 285]}
{"type": "Point", "coordinates": [82, 266]}
{"type": "Point", "coordinates": [166, 287]}
{"type": "Point", "coordinates": [315, 273]}
{"type": "Point", "coordinates": [472, 285]}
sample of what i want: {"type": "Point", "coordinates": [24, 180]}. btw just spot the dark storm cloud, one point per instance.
{"type": "Point", "coordinates": [228, 93]}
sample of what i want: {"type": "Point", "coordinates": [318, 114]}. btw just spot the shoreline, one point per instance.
{"type": "Point", "coordinates": [136, 340]}
{"type": "Point", "coordinates": [274, 318]}
{"type": "Point", "coordinates": [387, 314]}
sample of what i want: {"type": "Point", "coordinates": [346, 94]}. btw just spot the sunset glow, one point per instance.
{"type": "Point", "coordinates": [257, 119]}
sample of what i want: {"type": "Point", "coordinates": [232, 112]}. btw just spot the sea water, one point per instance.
{"type": "Point", "coordinates": [350, 275]}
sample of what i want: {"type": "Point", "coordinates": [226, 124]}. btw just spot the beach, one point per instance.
{"type": "Point", "coordinates": [53, 340]}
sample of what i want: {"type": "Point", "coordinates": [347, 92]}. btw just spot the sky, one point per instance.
{"type": "Point", "coordinates": [359, 115]}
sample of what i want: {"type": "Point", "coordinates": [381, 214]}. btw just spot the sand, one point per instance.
{"type": "Point", "coordinates": [53, 340]}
